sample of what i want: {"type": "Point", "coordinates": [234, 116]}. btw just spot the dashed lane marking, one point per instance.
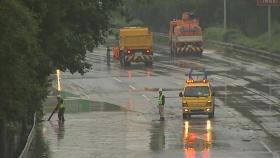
{"type": "Point", "coordinates": [236, 84]}
{"type": "Point", "coordinates": [266, 147]}
{"type": "Point", "coordinates": [220, 78]}
{"type": "Point", "coordinates": [133, 88]}
{"type": "Point", "coordinates": [87, 96]}
{"type": "Point", "coordinates": [115, 78]}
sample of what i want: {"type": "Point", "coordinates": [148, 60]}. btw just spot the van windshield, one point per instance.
{"type": "Point", "coordinates": [196, 91]}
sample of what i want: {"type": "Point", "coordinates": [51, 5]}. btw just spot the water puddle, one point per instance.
{"type": "Point", "coordinates": [76, 105]}
{"type": "Point", "coordinates": [81, 105]}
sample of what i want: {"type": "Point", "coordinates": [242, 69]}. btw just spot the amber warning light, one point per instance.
{"type": "Point", "coordinates": [192, 81]}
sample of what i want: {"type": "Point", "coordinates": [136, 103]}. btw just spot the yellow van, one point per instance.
{"type": "Point", "coordinates": [197, 96]}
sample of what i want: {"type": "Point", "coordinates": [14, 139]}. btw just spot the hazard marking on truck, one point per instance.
{"type": "Point", "coordinates": [139, 58]}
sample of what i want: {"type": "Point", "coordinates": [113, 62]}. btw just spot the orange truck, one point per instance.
{"type": "Point", "coordinates": [185, 36]}
{"type": "Point", "coordinates": [134, 45]}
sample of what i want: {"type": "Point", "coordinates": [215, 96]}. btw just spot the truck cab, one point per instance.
{"type": "Point", "coordinates": [197, 96]}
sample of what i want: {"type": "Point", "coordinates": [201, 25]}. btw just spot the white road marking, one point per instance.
{"type": "Point", "coordinates": [266, 147]}
{"type": "Point", "coordinates": [147, 98]}
{"type": "Point", "coordinates": [235, 84]}
{"type": "Point", "coordinates": [218, 77]}
{"type": "Point", "coordinates": [115, 78]}
{"type": "Point", "coordinates": [132, 87]}
{"type": "Point", "coordinates": [84, 94]}
{"type": "Point", "coordinates": [70, 99]}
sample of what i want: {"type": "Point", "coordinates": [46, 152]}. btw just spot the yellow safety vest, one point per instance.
{"type": "Point", "coordinates": [160, 101]}
{"type": "Point", "coordinates": [60, 106]}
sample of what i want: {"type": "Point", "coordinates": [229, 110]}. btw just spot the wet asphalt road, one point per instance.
{"type": "Point", "coordinates": [111, 112]}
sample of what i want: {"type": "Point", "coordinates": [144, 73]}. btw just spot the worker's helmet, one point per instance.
{"type": "Point", "coordinates": [160, 90]}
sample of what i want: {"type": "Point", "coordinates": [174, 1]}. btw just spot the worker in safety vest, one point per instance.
{"type": "Point", "coordinates": [161, 102]}
{"type": "Point", "coordinates": [60, 107]}
{"type": "Point", "coordinates": [108, 55]}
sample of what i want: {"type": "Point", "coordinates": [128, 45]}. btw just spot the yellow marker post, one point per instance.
{"type": "Point", "coordinates": [58, 81]}
{"type": "Point", "coordinates": [58, 91]}
{"type": "Point", "coordinates": [58, 74]}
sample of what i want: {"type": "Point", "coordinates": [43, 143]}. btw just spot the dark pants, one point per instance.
{"type": "Point", "coordinates": [61, 114]}
{"type": "Point", "coordinates": [161, 111]}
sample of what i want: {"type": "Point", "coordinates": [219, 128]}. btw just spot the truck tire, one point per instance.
{"type": "Point", "coordinates": [200, 52]}
{"type": "Point", "coordinates": [187, 116]}
{"type": "Point", "coordinates": [127, 64]}
{"type": "Point", "coordinates": [149, 63]}
{"type": "Point", "coordinates": [211, 115]}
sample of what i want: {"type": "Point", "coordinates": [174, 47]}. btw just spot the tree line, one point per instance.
{"type": "Point", "coordinates": [37, 37]}
{"type": "Point", "coordinates": [244, 15]}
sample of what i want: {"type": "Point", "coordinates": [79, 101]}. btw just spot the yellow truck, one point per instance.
{"type": "Point", "coordinates": [135, 45]}
{"type": "Point", "coordinates": [197, 96]}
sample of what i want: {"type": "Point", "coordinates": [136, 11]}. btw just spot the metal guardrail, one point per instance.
{"type": "Point", "coordinates": [239, 48]}
{"type": "Point", "coordinates": [249, 51]}
{"type": "Point", "coordinates": [29, 140]}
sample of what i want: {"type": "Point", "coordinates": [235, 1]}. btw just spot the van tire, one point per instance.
{"type": "Point", "coordinates": [187, 116]}
{"type": "Point", "coordinates": [211, 115]}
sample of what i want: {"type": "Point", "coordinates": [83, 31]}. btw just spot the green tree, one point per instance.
{"type": "Point", "coordinates": [36, 37]}
{"type": "Point", "coordinates": [243, 15]}
{"type": "Point", "coordinates": [20, 56]}
{"type": "Point", "coordinates": [70, 28]}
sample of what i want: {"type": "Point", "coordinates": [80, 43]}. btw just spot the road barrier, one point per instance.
{"type": "Point", "coordinates": [29, 140]}
{"type": "Point", "coordinates": [239, 48]}
{"type": "Point", "coordinates": [248, 51]}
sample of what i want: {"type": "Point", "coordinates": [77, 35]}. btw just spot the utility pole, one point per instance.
{"type": "Point", "coordinates": [225, 15]}
{"type": "Point", "coordinates": [269, 25]}
{"type": "Point", "coordinates": [269, 4]}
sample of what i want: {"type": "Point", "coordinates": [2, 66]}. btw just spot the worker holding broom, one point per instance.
{"type": "Point", "coordinates": [61, 109]}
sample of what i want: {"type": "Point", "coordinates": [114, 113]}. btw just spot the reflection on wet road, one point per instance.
{"type": "Point", "coordinates": [197, 138]}
{"type": "Point", "coordinates": [157, 142]}
{"type": "Point", "coordinates": [112, 112]}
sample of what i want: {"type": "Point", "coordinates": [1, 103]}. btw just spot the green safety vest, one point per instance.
{"type": "Point", "coordinates": [160, 101]}
{"type": "Point", "coordinates": [60, 106]}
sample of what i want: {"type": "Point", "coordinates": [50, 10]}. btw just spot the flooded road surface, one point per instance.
{"type": "Point", "coordinates": [111, 111]}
